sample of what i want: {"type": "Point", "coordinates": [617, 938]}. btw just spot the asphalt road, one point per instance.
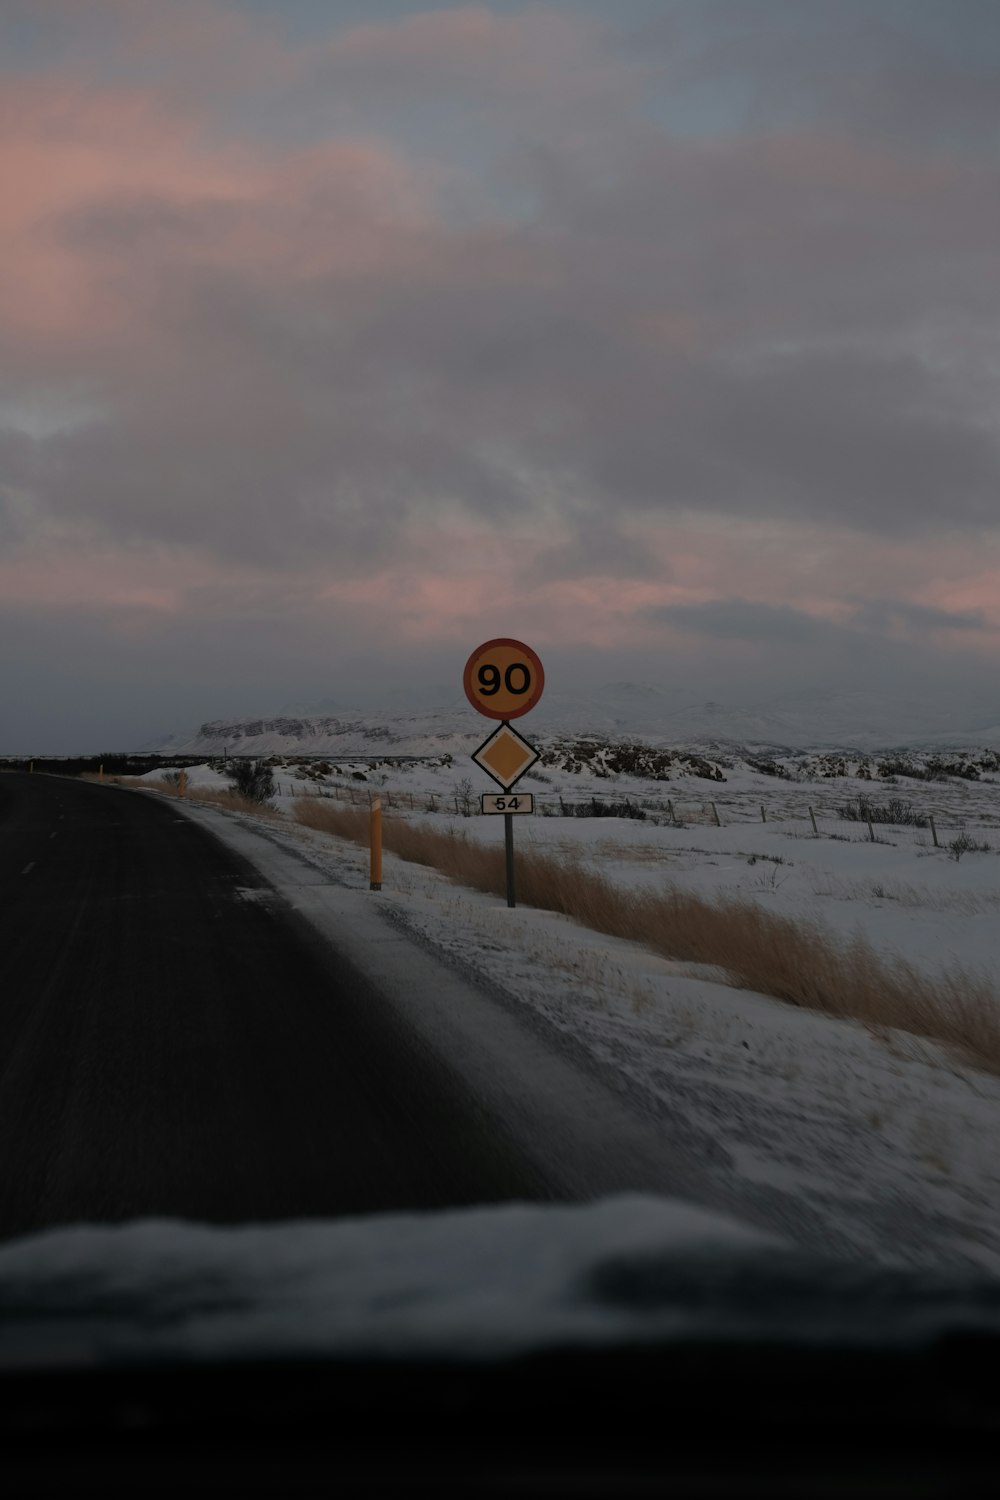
{"type": "Point", "coordinates": [174, 1041]}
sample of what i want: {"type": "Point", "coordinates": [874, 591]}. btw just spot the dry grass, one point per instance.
{"type": "Point", "coordinates": [792, 960]}
{"type": "Point", "coordinates": [219, 796]}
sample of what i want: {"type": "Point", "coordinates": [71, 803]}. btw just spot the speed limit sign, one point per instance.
{"type": "Point", "coordinates": [503, 678]}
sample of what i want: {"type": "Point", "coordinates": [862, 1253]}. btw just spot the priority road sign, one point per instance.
{"type": "Point", "coordinates": [503, 678]}
{"type": "Point", "coordinates": [505, 755]}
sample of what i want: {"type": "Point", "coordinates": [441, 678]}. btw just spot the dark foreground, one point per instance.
{"type": "Point", "coordinates": [705, 1420]}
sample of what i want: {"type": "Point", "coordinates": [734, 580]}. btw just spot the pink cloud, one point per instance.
{"type": "Point", "coordinates": [479, 50]}
{"type": "Point", "coordinates": [188, 46]}
{"type": "Point", "coordinates": [71, 157]}
{"type": "Point", "coordinates": [455, 584]}
{"type": "Point", "coordinates": [63, 148]}
{"type": "Point", "coordinates": [348, 319]}
{"type": "Point", "coordinates": [92, 577]}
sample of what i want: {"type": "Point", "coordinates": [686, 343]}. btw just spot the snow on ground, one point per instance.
{"type": "Point", "coordinates": [473, 1284]}
{"type": "Point", "coordinates": [902, 894]}
{"type": "Point", "coordinates": [887, 1141]}
{"type": "Point", "coordinates": [478, 1283]}
{"type": "Point", "coordinates": [206, 776]}
{"type": "Point", "coordinates": [905, 895]}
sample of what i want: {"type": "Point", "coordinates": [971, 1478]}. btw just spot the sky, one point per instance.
{"type": "Point", "coordinates": [336, 338]}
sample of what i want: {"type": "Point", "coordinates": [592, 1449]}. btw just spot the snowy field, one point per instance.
{"type": "Point", "coordinates": [867, 1145]}
{"type": "Point", "coordinates": [906, 894]}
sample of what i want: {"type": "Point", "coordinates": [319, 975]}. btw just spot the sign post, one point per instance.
{"type": "Point", "coordinates": [508, 846]}
{"type": "Point", "coordinates": [375, 845]}
{"type": "Point", "coordinates": [504, 679]}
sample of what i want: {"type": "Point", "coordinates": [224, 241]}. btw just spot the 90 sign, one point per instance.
{"type": "Point", "coordinates": [503, 678]}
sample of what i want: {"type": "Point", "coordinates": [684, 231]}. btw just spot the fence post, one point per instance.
{"type": "Point", "coordinates": [715, 814]}
{"type": "Point", "coordinates": [763, 814]}
{"type": "Point", "coordinates": [934, 832]}
{"type": "Point", "coordinates": [871, 831]}
{"type": "Point", "coordinates": [813, 817]}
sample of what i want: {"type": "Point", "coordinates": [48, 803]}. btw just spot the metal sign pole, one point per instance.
{"type": "Point", "coordinates": [508, 838]}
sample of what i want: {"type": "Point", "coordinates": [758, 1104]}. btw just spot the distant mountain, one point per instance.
{"type": "Point", "coordinates": [345, 735]}
{"type": "Point", "coordinates": [619, 711]}
{"type": "Point", "coordinates": [870, 720]}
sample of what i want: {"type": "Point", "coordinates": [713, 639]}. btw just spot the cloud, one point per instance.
{"type": "Point", "coordinates": [754, 622]}
{"type": "Point", "coordinates": [892, 616]}
{"type": "Point", "coordinates": [847, 436]}
{"type": "Point", "coordinates": [597, 548]}
{"type": "Point", "coordinates": [746, 620]}
{"type": "Point", "coordinates": [193, 50]}
{"type": "Point", "coordinates": [913, 72]}
{"type": "Point", "coordinates": [474, 53]}
{"type": "Point", "coordinates": [611, 376]}
{"type": "Point", "coordinates": [731, 327]}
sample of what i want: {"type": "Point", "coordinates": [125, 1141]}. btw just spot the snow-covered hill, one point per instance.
{"type": "Point", "coordinates": [343, 735]}
{"type": "Point", "coordinates": [619, 711]}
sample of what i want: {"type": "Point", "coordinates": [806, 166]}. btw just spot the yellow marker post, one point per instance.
{"type": "Point", "coordinates": [375, 845]}
{"type": "Point", "coordinates": [100, 772]}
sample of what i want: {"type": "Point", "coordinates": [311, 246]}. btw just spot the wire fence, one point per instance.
{"type": "Point", "coordinates": [823, 817]}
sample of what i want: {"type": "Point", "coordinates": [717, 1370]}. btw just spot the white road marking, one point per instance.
{"type": "Point", "coordinates": [28, 868]}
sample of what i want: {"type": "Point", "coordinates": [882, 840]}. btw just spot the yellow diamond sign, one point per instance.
{"type": "Point", "coordinates": [505, 756]}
